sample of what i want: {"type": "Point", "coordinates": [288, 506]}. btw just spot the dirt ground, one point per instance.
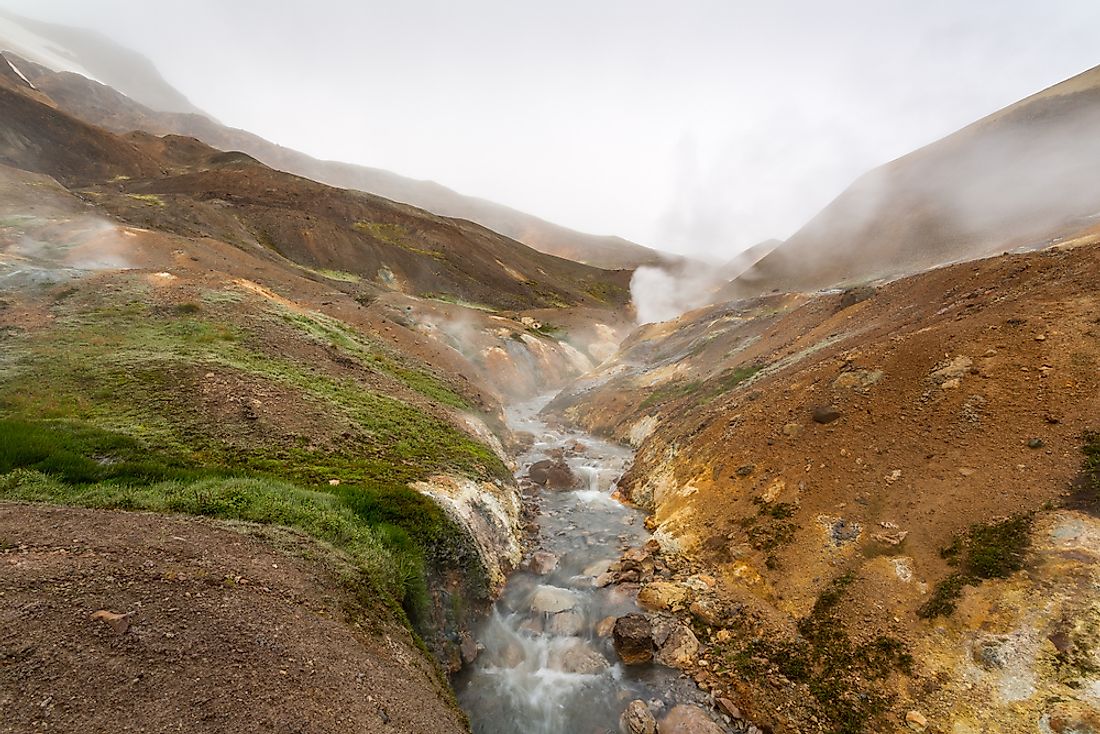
{"type": "Point", "coordinates": [228, 629]}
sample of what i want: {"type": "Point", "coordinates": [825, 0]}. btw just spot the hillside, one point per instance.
{"type": "Point", "coordinates": [894, 490]}
{"type": "Point", "coordinates": [1019, 178]}
{"type": "Point", "coordinates": [143, 101]}
{"type": "Point", "coordinates": [182, 186]}
{"type": "Point", "coordinates": [188, 330]}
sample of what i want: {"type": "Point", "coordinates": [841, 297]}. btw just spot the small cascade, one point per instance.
{"type": "Point", "coordinates": [546, 664]}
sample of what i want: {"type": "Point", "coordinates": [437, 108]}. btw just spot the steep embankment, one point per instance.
{"type": "Point", "coordinates": [863, 474]}
{"type": "Point", "coordinates": [119, 621]}
{"type": "Point", "coordinates": [1021, 177]}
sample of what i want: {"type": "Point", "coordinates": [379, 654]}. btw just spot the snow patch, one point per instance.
{"type": "Point", "coordinates": [20, 74]}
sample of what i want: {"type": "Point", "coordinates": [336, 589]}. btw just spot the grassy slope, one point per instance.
{"type": "Point", "coordinates": [99, 409]}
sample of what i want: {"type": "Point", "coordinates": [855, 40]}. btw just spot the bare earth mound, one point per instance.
{"type": "Point", "coordinates": [229, 632]}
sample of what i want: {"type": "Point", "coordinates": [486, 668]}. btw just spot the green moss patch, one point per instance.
{"type": "Point", "coordinates": [845, 679]}
{"type": "Point", "coordinates": [986, 551]}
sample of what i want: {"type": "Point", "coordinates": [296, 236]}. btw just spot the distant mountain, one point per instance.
{"type": "Point", "coordinates": [1017, 178]}
{"type": "Point", "coordinates": [92, 55]}
{"type": "Point", "coordinates": [102, 83]}
{"type": "Point", "coordinates": [182, 186]}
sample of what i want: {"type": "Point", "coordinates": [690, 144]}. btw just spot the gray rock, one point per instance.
{"type": "Point", "coordinates": [578, 657]}
{"type": "Point", "coordinates": [679, 649]}
{"type": "Point", "coordinates": [566, 624]}
{"type": "Point", "coordinates": [552, 599]}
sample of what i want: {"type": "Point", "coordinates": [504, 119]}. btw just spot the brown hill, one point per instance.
{"type": "Point", "coordinates": [183, 186]}
{"type": "Point", "coordinates": [1017, 178]}
{"type": "Point", "coordinates": [884, 489]}
{"type": "Point", "coordinates": [104, 106]}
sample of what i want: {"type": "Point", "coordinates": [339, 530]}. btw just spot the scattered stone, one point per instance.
{"type": "Point", "coordinates": [662, 595]}
{"type": "Point", "coordinates": [729, 708]}
{"type": "Point", "coordinates": [746, 470]}
{"type": "Point", "coordinates": [688, 719]}
{"type": "Point", "coordinates": [334, 482]}
{"type": "Point", "coordinates": [637, 719]}
{"type": "Point", "coordinates": [1035, 443]}
{"type": "Point", "coordinates": [552, 599]}
{"type": "Point", "coordinates": [604, 627]}
{"type": "Point", "coordinates": [542, 563]}
{"type": "Point", "coordinates": [893, 476]}
{"type": "Point", "coordinates": [792, 429]}
{"type": "Point", "coordinates": [679, 649]}
{"type": "Point", "coordinates": [890, 536]}
{"type": "Point", "coordinates": [706, 611]}
{"type": "Point", "coordinates": [119, 623]}
{"type": "Point", "coordinates": [632, 636]}
{"type": "Point", "coordinates": [966, 471]}
{"type": "Point", "coordinates": [469, 649]}
{"type": "Point", "coordinates": [825, 414]}
{"type": "Point", "coordinates": [916, 721]}
{"type": "Point", "coordinates": [950, 370]}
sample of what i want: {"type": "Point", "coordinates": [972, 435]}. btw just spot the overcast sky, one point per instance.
{"type": "Point", "coordinates": [697, 127]}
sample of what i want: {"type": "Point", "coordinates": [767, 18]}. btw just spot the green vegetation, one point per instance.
{"type": "Point", "coordinates": [396, 235]}
{"type": "Point", "coordinates": [707, 390]}
{"type": "Point", "coordinates": [130, 405]}
{"type": "Point", "coordinates": [342, 276]}
{"type": "Point", "coordinates": [548, 330]}
{"type": "Point", "coordinates": [845, 679]}
{"type": "Point", "coordinates": [770, 529]}
{"type": "Point", "coordinates": [150, 199]}
{"type": "Point", "coordinates": [1086, 490]}
{"type": "Point", "coordinates": [671, 391]}
{"type": "Point", "coordinates": [373, 355]}
{"type": "Point", "coordinates": [455, 300]}
{"type": "Point", "coordinates": [610, 293]}
{"type": "Point", "coordinates": [986, 551]}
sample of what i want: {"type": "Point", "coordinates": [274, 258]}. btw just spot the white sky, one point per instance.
{"type": "Point", "coordinates": [692, 126]}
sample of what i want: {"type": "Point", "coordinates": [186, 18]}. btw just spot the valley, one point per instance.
{"type": "Point", "coordinates": [288, 445]}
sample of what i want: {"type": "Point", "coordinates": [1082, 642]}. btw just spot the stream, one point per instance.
{"type": "Point", "coordinates": [543, 668]}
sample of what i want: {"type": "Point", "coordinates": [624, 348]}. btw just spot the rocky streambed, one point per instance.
{"type": "Point", "coordinates": [567, 648]}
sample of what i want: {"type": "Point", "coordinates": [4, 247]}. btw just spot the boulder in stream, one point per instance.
{"type": "Point", "coordinates": [552, 599]}
{"type": "Point", "coordinates": [637, 719]}
{"type": "Point", "coordinates": [577, 657]}
{"type": "Point", "coordinates": [633, 639]}
{"type": "Point", "coordinates": [542, 563]}
{"type": "Point", "coordinates": [553, 474]}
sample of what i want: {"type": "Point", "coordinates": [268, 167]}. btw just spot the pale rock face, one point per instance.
{"type": "Point", "coordinates": [489, 513]}
{"type": "Point", "coordinates": [642, 430]}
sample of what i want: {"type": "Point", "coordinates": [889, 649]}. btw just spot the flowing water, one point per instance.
{"type": "Point", "coordinates": [544, 669]}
